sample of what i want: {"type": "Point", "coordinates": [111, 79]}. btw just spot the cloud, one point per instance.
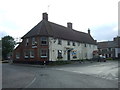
{"type": "Point", "coordinates": [105, 32]}
{"type": "Point", "coordinates": [17, 17]}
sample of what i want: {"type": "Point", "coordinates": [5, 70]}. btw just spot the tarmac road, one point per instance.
{"type": "Point", "coordinates": [18, 76]}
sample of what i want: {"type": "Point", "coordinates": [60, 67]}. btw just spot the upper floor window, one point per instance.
{"type": "Point", "coordinates": [73, 43]}
{"type": "Point", "coordinates": [109, 49]}
{"type": "Point", "coordinates": [27, 41]}
{"type": "Point", "coordinates": [59, 41]}
{"type": "Point", "coordinates": [43, 40]}
{"type": "Point", "coordinates": [85, 45]}
{"type": "Point", "coordinates": [68, 42]}
{"type": "Point", "coordinates": [78, 44]}
{"type": "Point", "coordinates": [33, 41]}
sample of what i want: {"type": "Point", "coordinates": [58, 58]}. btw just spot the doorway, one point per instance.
{"type": "Point", "coordinates": [68, 54]}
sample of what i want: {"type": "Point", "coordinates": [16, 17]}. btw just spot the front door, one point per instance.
{"type": "Point", "coordinates": [68, 54]}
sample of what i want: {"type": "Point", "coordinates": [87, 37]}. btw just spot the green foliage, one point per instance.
{"type": "Point", "coordinates": [8, 45]}
{"type": "Point", "coordinates": [109, 58]}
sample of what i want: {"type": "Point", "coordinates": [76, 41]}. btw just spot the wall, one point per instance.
{"type": "Point", "coordinates": [35, 48]}
{"type": "Point", "coordinates": [82, 52]}
{"type": "Point", "coordinates": [117, 51]}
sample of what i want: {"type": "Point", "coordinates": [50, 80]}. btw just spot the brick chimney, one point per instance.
{"type": "Point", "coordinates": [88, 31]}
{"type": "Point", "coordinates": [69, 25]}
{"type": "Point", "coordinates": [45, 16]}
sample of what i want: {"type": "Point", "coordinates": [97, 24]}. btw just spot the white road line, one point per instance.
{"type": "Point", "coordinates": [31, 82]}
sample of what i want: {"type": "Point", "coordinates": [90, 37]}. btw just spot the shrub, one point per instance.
{"type": "Point", "coordinates": [109, 58]}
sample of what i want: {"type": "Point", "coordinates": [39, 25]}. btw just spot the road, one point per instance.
{"type": "Point", "coordinates": [86, 75]}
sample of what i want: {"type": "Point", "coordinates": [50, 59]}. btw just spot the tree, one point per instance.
{"type": "Point", "coordinates": [8, 45]}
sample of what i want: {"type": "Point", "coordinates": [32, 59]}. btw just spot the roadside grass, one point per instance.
{"type": "Point", "coordinates": [59, 63]}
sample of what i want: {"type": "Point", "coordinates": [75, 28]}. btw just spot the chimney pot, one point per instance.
{"type": "Point", "coordinates": [45, 16]}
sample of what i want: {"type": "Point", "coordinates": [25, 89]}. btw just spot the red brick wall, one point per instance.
{"type": "Point", "coordinates": [22, 47]}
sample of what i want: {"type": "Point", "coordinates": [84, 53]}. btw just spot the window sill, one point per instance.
{"type": "Point", "coordinates": [44, 44]}
{"type": "Point", "coordinates": [43, 56]}
{"type": "Point", "coordinates": [31, 56]}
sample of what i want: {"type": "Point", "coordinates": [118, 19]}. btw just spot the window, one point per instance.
{"type": "Point", "coordinates": [26, 54]}
{"type": "Point", "coordinates": [27, 40]}
{"type": "Point", "coordinates": [33, 41]}
{"type": "Point", "coordinates": [85, 45]}
{"type": "Point", "coordinates": [73, 43]}
{"type": "Point", "coordinates": [68, 42]}
{"type": "Point", "coordinates": [31, 54]}
{"type": "Point", "coordinates": [74, 53]}
{"type": "Point", "coordinates": [78, 44]}
{"type": "Point", "coordinates": [17, 55]}
{"type": "Point", "coordinates": [43, 53]}
{"type": "Point", "coordinates": [89, 45]}
{"type": "Point", "coordinates": [59, 41]}
{"type": "Point", "coordinates": [113, 49]}
{"type": "Point", "coordinates": [59, 54]}
{"type": "Point", "coordinates": [43, 41]}
{"type": "Point", "coordinates": [109, 49]}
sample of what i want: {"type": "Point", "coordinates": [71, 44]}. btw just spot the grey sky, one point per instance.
{"type": "Point", "coordinates": [17, 17]}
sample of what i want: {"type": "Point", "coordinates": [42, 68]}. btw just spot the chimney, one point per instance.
{"type": "Point", "coordinates": [45, 16]}
{"type": "Point", "coordinates": [88, 31]}
{"type": "Point", "coordinates": [69, 25]}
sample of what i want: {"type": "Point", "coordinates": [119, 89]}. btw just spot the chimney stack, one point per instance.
{"type": "Point", "coordinates": [69, 25]}
{"type": "Point", "coordinates": [45, 16]}
{"type": "Point", "coordinates": [88, 31]}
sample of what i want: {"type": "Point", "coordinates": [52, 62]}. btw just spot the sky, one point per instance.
{"type": "Point", "coordinates": [17, 17]}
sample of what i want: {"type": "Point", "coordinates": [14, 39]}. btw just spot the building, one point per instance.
{"type": "Point", "coordinates": [0, 50]}
{"type": "Point", "coordinates": [48, 41]}
{"type": "Point", "coordinates": [110, 48]}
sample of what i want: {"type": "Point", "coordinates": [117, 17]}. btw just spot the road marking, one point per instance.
{"type": "Point", "coordinates": [31, 82]}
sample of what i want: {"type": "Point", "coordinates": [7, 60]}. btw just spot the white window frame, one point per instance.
{"type": "Point", "coordinates": [27, 41]}
{"type": "Point", "coordinates": [32, 55]}
{"type": "Point", "coordinates": [68, 43]}
{"type": "Point", "coordinates": [25, 54]}
{"type": "Point", "coordinates": [17, 55]}
{"type": "Point", "coordinates": [42, 55]}
{"type": "Point", "coordinates": [33, 40]}
{"type": "Point", "coordinates": [46, 40]}
{"type": "Point", "coordinates": [73, 43]}
{"type": "Point", "coordinates": [59, 42]}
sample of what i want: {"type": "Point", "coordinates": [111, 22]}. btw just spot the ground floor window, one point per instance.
{"type": "Point", "coordinates": [29, 54]}
{"type": "Point", "coordinates": [43, 53]}
{"type": "Point", "coordinates": [74, 53]}
{"type": "Point", "coordinates": [26, 54]}
{"type": "Point", "coordinates": [32, 54]}
{"type": "Point", "coordinates": [59, 54]}
{"type": "Point", "coordinates": [17, 55]}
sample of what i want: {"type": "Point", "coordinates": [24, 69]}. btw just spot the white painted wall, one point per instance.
{"type": "Point", "coordinates": [117, 50]}
{"type": "Point", "coordinates": [81, 50]}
